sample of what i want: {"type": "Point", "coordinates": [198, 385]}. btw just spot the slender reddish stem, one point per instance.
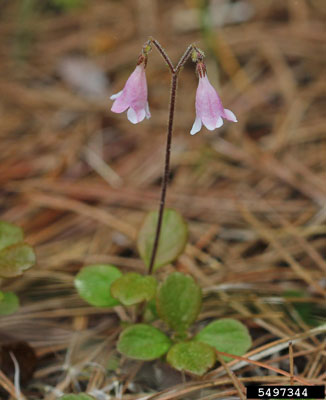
{"type": "Point", "coordinates": [163, 54]}
{"type": "Point", "coordinates": [166, 171]}
{"type": "Point", "coordinates": [175, 72]}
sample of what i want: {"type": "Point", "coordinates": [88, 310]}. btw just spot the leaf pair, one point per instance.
{"type": "Point", "coordinates": [103, 285]}
{"type": "Point", "coordinates": [15, 255]}
{"type": "Point", "coordinates": [144, 342]}
{"type": "Point", "coordinates": [198, 355]}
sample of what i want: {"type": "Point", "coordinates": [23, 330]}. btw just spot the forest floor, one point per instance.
{"type": "Point", "coordinates": [79, 180]}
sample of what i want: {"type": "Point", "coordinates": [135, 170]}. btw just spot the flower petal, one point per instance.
{"type": "Point", "coordinates": [135, 116]}
{"type": "Point", "coordinates": [219, 122]}
{"type": "Point", "coordinates": [141, 114]}
{"type": "Point", "coordinates": [115, 96]}
{"type": "Point", "coordinates": [210, 122]}
{"type": "Point", "coordinates": [228, 114]}
{"type": "Point", "coordinates": [120, 104]}
{"type": "Point", "coordinates": [196, 126]}
{"type": "Point", "coordinates": [132, 116]}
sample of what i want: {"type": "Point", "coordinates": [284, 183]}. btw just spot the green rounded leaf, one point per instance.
{"type": "Point", "coordinates": [9, 303]}
{"type": "Point", "coordinates": [178, 301]}
{"type": "Point", "coordinates": [173, 237]}
{"type": "Point", "coordinates": [93, 284]}
{"type": "Point", "coordinates": [228, 335]}
{"type": "Point", "coordinates": [143, 342]}
{"type": "Point", "coordinates": [15, 259]}
{"type": "Point", "coordinates": [194, 357]}
{"type": "Point", "coordinates": [133, 288]}
{"type": "Point", "coordinates": [10, 234]}
{"type": "Point", "coordinates": [80, 396]}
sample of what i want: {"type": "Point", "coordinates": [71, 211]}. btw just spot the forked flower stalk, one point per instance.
{"type": "Point", "coordinates": [174, 81]}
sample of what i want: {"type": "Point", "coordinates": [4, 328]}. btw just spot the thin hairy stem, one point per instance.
{"type": "Point", "coordinates": [163, 54]}
{"type": "Point", "coordinates": [184, 58]}
{"type": "Point", "coordinates": [166, 170]}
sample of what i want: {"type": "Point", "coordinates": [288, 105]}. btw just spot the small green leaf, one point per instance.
{"type": "Point", "coordinates": [15, 259]}
{"type": "Point", "coordinates": [9, 303]}
{"type": "Point", "coordinates": [93, 284]}
{"type": "Point", "coordinates": [228, 335]}
{"type": "Point", "coordinates": [150, 313]}
{"type": "Point", "coordinates": [178, 301]}
{"type": "Point", "coordinates": [133, 288]}
{"type": "Point", "coordinates": [173, 238]}
{"type": "Point", "coordinates": [2, 295]}
{"type": "Point", "coordinates": [10, 234]}
{"type": "Point", "coordinates": [143, 342]}
{"type": "Point", "coordinates": [80, 396]}
{"type": "Point", "coordinates": [194, 357]}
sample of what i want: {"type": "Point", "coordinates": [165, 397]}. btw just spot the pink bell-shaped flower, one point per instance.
{"type": "Point", "coordinates": [133, 97]}
{"type": "Point", "coordinates": [209, 108]}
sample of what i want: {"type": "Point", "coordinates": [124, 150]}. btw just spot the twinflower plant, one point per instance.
{"type": "Point", "coordinates": [165, 312]}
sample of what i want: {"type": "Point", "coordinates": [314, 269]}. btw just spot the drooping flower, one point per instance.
{"type": "Point", "coordinates": [133, 97]}
{"type": "Point", "coordinates": [209, 108]}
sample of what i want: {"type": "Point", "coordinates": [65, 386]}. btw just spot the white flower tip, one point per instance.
{"type": "Point", "coordinates": [132, 116]}
{"type": "Point", "coordinates": [219, 122]}
{"type": "Point", "coordinates": [196, 126]}
{"type": "Point", "coordinates": [135, 117]}
{"type": "Point", "coordinates": [229, 115]}
{"type": "Point", "coordinates": [115, 96]}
